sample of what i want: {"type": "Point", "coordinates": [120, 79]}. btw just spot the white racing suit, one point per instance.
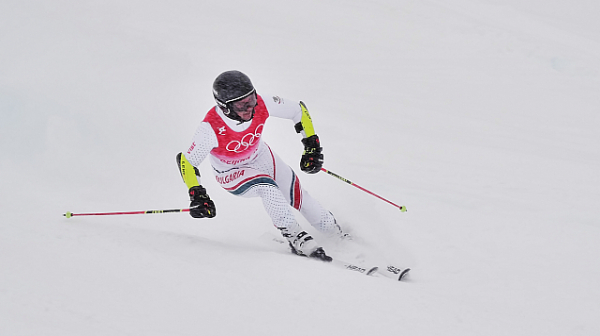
{"type": "Point", "coordinates": [244, 165]}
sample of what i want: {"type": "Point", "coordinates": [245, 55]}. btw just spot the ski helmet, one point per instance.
{"type": "Point", "coordinates": [229, 87]}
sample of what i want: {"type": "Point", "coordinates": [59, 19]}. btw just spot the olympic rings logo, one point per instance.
{"type": "Point", "coordinates": [246, 142]}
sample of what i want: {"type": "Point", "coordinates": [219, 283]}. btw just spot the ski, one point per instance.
{"type": "Point", "coordinates": [356, 268]}
{"type": "Point", "coordinates": [390, 271]}
{"type": "Point", "coordinates": [339, 263]}
{"type": "Point", "coordinates": [395, 273]}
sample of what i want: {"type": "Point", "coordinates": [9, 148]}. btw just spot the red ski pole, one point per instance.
{"type": "Point", "coordinates": [401, 207]}
{"type": "Point", "coordinates": [144, 212]}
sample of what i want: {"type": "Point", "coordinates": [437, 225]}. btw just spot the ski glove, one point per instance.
{"type": "Point", "coordinates": [312, 159]}
{"type": "Point", "coordinates": [201, 205]}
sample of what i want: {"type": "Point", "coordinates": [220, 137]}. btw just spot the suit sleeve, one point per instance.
{"type": "Point", "coordinates": [203, 142]}
{"type": "Point", "coordinates": [290, 109]}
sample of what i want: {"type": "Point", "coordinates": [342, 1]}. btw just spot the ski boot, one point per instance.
{"type": "Point", "coordinates": [303, 244]}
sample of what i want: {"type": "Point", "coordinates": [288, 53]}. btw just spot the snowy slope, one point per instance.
{"type": "Point", "coordinates": [481, 117]}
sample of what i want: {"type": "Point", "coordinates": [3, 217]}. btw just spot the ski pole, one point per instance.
{"type": "Point", "coordinates": [145, 212]}
{"type": "Point", "coordinates": [401, 207]}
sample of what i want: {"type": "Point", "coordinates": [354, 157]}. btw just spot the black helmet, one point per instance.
{"type": "Point", "coordinates": [231, 86]}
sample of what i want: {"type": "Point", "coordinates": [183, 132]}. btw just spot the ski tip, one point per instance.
{"type": "Point", "coordinates": [403, 275]}
{"type": "Point", "coordinates": [372, 270]}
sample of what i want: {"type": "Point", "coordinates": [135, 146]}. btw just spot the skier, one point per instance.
{"type": "Point", "coordinates": [245, 165]}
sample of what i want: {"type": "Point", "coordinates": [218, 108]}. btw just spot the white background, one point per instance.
{"type": "Point", "coordinates": [482, 117]}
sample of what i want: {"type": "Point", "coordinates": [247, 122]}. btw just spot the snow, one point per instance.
{"type": "Point", "coordinates": [481, 117]}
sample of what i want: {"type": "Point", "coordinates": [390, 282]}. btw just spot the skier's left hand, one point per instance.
{"type": "Point", "coordinates": [312, 159]}
{"type": "Point", "coordinates": [201, 206]}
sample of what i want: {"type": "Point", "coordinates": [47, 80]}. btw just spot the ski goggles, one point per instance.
{"type": "Point", "coordinates": [243, 104]}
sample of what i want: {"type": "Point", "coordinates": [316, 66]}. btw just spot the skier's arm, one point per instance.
{"type": "Point", "coordinates": [305, 125]}
{"type": "Point", "coordinates": [291, 109]}
{"type": "Point", "coordinates": [189, 173]}
{"type": "Point", "coordinates": [203, 142]}
{"type": "Point", "coordinates": [312, 158]}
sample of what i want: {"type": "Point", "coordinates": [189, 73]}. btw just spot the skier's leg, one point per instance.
{"type": "Point", "coordinates": [248, 182]}
{"type": "Point", "coordinates": [318, 216]}
{"type": "Point", "coordinates": [283, 219]}
{"type": "Point", "coordinates": [296, 196]}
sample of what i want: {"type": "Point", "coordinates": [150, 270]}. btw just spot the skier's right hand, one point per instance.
{"type": "Point", "coordinates": [312, 158]}
{"type": "Point", "coordinates": [201, 205]}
